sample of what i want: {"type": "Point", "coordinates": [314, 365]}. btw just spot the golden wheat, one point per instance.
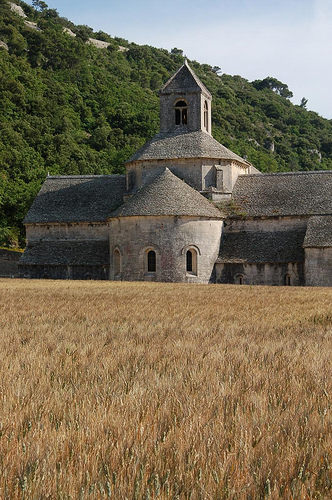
{"type": "Point", "coordinates": [145, 391]}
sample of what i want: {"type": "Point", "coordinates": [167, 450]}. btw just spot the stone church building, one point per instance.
{"type": "Point", "coordinates": [187, 210]}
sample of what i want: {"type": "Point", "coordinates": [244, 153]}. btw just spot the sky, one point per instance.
{"type": "Point", "coordinates": [290, 40]}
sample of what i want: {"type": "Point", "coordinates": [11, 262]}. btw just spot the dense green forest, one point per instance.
{"type": "Point", "coordinates": [67, 107]}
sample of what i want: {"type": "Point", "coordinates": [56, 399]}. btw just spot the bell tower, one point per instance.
{"type": "Point", "coordinates": [185, 103]}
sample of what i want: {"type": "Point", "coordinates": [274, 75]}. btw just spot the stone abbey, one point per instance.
{"type": "Point", "coordinates": [187, 210]}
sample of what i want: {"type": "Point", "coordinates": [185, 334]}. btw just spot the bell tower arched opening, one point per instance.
{"type": "Point", "coordinates": [181, 113]}
{"type": "Point", "coordinates": [206, 116]}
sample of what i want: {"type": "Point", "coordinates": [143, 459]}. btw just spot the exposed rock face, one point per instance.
{"type": "Point", "coordinates": [98, 43]}
{"type": "Point", "coordinates": [3, 45]}
{"type": "Point", "coordinates": [17, 9]}
{"type": "Point", "coordinates": [32, 25]}
{"type": "Point", "coordinates": [317, 153]}
{"type": "Point", "coordinates": [69, 32]}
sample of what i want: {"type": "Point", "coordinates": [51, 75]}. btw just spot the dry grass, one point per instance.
{"type": "Point", "coordinates": [144, 391]}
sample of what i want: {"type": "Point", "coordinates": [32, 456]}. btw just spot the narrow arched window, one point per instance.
{"type": "Point", "coordinates": [116, 262]}
{"type": "Point", "coordinates": [206, 116]}
{"type": "Point", "coordinates": [287, 280]}
{"type": "Point", "coordinates": [191, 261]}
{"type": "Point", "coordinates": [151, 261]}
{"type": "Point", "coordinates": [181, 113]}
{"type": "Point", "coordinates": [239, 279]}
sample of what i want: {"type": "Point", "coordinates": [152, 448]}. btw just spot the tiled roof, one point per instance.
{"type": "Point", "coordinates": [77, 199]}
{"type": "Point", "coordinates": [66, 253]}
{"type": "Point", "coordinates": [184, 80]}
{"type": "Point", "coordinates": [167, 195]}
{"type": "Point", "coordinates": [319, 232]}
{"type": "Point", "coordinates": [262, 247]}
{"type": "Point", "coordinates": [183, 144]}
{"type": "Point", "coordinates": [291, 193]}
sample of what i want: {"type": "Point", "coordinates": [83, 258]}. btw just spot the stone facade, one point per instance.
{"type": "Point", "coordinates": [187, 210]}
{"type": "Point", "coordinates": [170, 237]}
{"type": "Point", "coordinates": [318, 265]}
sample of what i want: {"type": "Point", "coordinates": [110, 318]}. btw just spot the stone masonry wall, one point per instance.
{"type": "Point", "coordinates": [169, 237]}
{"type": "Point", "coordinates": [318, 266]}
{"type": "Point", "coordinates": [260, 274]}
{"type": "Point", "coordinates": [195, 103]}
{"type": "Point", "coordinates": [65, 272]}
{"type": "Point", "coordinates": [266, 224]}
{"type": "Point", "coordinates": [200, 173]}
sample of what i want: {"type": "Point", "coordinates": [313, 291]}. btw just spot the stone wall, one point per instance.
{"type": "Point", "coordinates": [318, 266]}
{"type": "Point", "coordinates": [263, 251]}
{"type": "Point", "coordinates": [64, 272]}
{"type": "Point", "coordinates": [199, 173]}
{"type": "Point", "coordinates": [267, 224]}
{"type": "Point", "coordinates": [261, 273]}
{"type": "Point", "coordinates": [195, 102]}
{"type": "Point", "coordinates": [170, 238]}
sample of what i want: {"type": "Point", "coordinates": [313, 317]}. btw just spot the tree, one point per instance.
{"type": "Point", "coordinates": [177, 51]}
{"type": "Point", "coordinates": [216, 70]}
{"type": "Point", "coordinates": [303, 103]}
{"type": "Point", "coordinates": [39, 5]}
{"type": "Point", "coordinates": [275, 85]}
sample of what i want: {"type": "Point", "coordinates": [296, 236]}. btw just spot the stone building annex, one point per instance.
{"type": "Point", "coordinates": [162, 221]}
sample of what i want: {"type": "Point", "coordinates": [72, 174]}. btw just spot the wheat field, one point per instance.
{"type": "Point", "coordinates": [146, 391]}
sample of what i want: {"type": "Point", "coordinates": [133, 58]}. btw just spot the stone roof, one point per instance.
{"type": "Point", "coordinates": [319, 232]}
{"type": "Point", "coordinates": [184, 80]}
{"type": "Point", "coordinates": [66, 253]}
{"type": "Point", "coordinates": [80, 198]}
{"type": "Point", "coordinates": [262, 247]}
{"type": "Point", "coordinates": [291, 193]}
{"type": "Point", "coordinates": [167, 195]}
{"type": "Point", "coordinates": [179, 143]}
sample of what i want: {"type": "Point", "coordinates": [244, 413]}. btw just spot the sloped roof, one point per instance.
{"type": "Point", "coordinates": [291, 193]}
{"type": "Point", "coordinates": [166, 194]}
{"type": "Point", "coordinates": [81, 198]}
{"type": "Point", "coordinates": [262, 247]}
{"type": "Point", "coordinates": [66, 253]}
{"type": "Point", "coordinates": [319, 232]}
{"type": "Point", "coordinates": [184, 80]}
{"type": "Point", "coordinates": [183, 144]}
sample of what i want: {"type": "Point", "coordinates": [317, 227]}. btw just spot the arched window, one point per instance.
{"type": "Point", "coordinates": [287, 280]}
{"type": "Point", "coordinates": [116, 262]}
{"type": "Point", "coordinates": [239, 279]}
{"type": "Point", "coordinates": [191, 261]}
{"type": "Point", "coordinates": [181, 113]}
{"type": "Point", "coordinates": [151, 261]}
{"type": "Point", "coordinates": [206, 116]}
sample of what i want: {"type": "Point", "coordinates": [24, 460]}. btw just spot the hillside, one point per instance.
{"type": "Point", "coordinates": [70, 105]}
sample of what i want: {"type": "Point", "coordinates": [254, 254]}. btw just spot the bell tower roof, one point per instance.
{"type": "Point", "coordinates": [183, 81]}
